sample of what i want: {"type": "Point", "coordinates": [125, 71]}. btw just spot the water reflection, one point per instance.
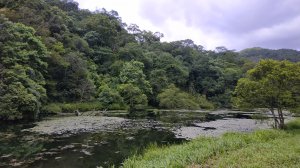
{"type": "Point", "coordinates": [26, 149]}
{"type": "Point", "coordinates": [82, 150]}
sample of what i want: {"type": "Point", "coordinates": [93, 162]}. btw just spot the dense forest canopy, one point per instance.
{"type": "Point", "coordinates": [52, 52]}
{"type": "Point", "coordinates": [257, 53]}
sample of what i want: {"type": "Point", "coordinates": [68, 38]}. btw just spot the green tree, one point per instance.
{"type": "Point", "coordinates": [75, 83]}
{"type": "Point", "coordinates": [132, 73]}
{"type": "Point", "coordinates": [175, 70]}
{"type": "Point", "coordinates": [103, 30]}
{"type": "Point", "coordinates": [273, 85]}
{"type": "Point", "coordinates": [109, 96]}
{"type": "Point", "coordinates": [133, 96]}
{"type": "Point", "coordinates": [159, 81]}
{"type": "Point", "coordinates": [173, 98]}
{"type": "Point", "coordinates": [22, 64]}
{"type": "Point", "coordinates": [134, 86]}
{"type": "Point", "coordinates": [17, 102]}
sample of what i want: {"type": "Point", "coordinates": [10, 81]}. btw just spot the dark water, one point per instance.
{"type": "Point", "coordinates": [101, 149]}
{"type": "Point", "coordinates": [81, 150]}
{"type": "Point", "coordinates": [25, 149]}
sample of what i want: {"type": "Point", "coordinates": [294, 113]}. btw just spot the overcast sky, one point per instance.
{"type": "Point", "coordinates": [236, 24]}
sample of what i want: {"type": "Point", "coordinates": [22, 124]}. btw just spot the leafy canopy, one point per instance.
{"type": "Point", "coordinates": [271, 84]}
{"type": "Point", "coordinates": [22, 66]}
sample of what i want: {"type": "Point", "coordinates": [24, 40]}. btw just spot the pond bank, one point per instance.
{"type": "Point", "coordinates": [263, 148]}
{"type": "Point", "coordinates": [219, 127]}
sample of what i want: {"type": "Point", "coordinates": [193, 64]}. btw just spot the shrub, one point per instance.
{"type": "Point", "coordinates": [116, 106]}
{"type": "Point", "coordinates": [52, 108]}
{"type": "Point", "coordinates": [84, 106]}
{"type": "Point", "coordinates": [174, 98]}
{"type": "Point", "coordinates": [89, 106]}
{"type": "Point", "coordinates": [68, 107]}
{"type": "Point", "coordinates": [109, 96]}
{"type": "Point", "coordinates": [293, 125]}
{"type": "Point", "coordinates": [204, 103]}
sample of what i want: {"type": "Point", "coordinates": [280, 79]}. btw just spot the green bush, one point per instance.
{"type": "Point", "coordinates": [84, 106]}
{"type": "Point", "coordinates": [68, 107]}
{"type": "Point", "coordinates": [204, 103]}
{"type": "Point", "coordinates": [89, 106]}
{"type": "Point", "coordinates": [116, 106]}
{"type": "Point", "coordinates": [173, 98]}
{"type": "Point", "coordinates": [293, 125]}
{"type": "Point", "coordinates": [52, 108]}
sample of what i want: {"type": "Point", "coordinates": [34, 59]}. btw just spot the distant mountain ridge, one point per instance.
{"type": "Point", "coordinates": [257, 53]}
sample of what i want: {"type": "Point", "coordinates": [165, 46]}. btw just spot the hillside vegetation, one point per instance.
{"type": "Point", "coordinates": [53, 53]}
{"type": "Point", "coordinates": [257, 53]}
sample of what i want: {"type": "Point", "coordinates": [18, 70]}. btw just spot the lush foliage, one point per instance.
{"type": "Point", "coordinates": [22, 66]}
{"type": "Point", "coordinates": [264, 148]}
{"type": "Point", "coordinates": [271, 84]}
{"type": "Point", "coordinates": [71, 107]}
{"type": "Point", "coordinates": [258, 53]}
{"type": "Point", "coordinates": [54, 52]}
{"type": "Point", "coordinates": [174, 98]}
{"type": "Point", "coordinates": [133, 96]}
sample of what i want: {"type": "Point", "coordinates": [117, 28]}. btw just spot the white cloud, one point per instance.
{"type": "Point", "coordinates": [236, 24]}
{"type": "Point", "coordinates": [128, 11]}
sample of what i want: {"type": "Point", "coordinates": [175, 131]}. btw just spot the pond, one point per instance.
{"type": "Point", "coordinates": [22, 147]}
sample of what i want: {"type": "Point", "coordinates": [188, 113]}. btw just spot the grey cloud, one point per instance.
{"type": "Point", "coordinates": [232, 19]}
{"type": "Point", "coordinates": [292, 41]}
{"type": "Point", "coordinates": [252, 15]}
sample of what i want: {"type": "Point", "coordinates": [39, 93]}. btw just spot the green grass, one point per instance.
{"type": "Point", "coordinates": [54, 108]}
{"type": "Point", "coordinates": [264, 148]}
{"type": "Point", "coordinates": [71, 107]}
{"type": "Point", "coordinates": [279, 153]}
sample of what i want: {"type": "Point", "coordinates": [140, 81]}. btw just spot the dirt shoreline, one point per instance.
{"type": "Point", "coordinates": [219, 127]}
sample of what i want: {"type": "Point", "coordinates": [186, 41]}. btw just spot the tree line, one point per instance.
{"type": "Point", "coordinates": [56, 57]}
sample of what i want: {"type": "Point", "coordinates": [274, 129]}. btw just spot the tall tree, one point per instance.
{"type": "Point", "coordinates": [23, 66]}
{"type": "Point", "coordinates": [273, 85]}
{"type": "Point", "coordinates": [76, 83]}
{"type": "Point", "coordinates": [133, 96]}
{"type": "Point", "coordinates": [132, 73]}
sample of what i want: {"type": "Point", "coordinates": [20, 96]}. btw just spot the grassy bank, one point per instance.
{"type": "Point", "coordinates": [264, 148]}
{"type": "Point", "coordinates": [54, 108]}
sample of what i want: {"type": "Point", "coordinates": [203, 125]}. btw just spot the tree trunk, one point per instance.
{"type": "Point", "coordinates": [281, 118]}
{"type": "Point", "coordinates": [274, 117]}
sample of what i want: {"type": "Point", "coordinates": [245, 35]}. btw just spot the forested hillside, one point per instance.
{"type": "Point", "coordinates": [53, 53]}
{"type": "Point", "coordinates": [255, 54]}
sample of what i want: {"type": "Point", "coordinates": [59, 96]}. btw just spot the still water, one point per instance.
{"type": "Point", "coordinates": [19, 148]}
